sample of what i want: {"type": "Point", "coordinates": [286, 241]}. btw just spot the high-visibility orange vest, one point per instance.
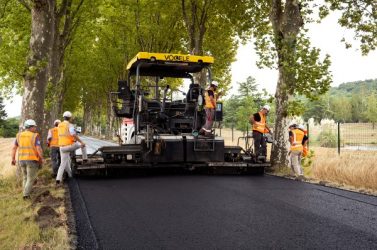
{"type": "Point", "coordinates": [261, 125]}
{"type": "Point", "coordinates": [65, 137]}
{"type": "Point", "coordinates": [27, 150]}
{"type": "Point", "coordinates": [207, 99]}
{"type": "Point", "coordinates": [298, 135]}
{"type": "Point", "coordinates": [54, 142]}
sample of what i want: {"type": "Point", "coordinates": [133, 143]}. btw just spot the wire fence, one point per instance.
{"type": "Point", "coordinates": [329, 134]}
{"type": "Point", "coordinates": [350, 136]}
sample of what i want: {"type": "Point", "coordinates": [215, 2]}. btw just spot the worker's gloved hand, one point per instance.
{"type": "Point", "coordinates": [83, 145]}
{"type": "Point", "coordinates": [14, 162]}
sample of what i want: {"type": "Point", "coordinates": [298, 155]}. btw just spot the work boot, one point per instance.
{"type": "Point", "coordinates": [26, 197]}
{"type": "Point", "coordinates": [58, 184]}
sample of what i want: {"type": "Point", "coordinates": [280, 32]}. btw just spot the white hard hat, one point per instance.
{"type": "Point", "coordinates": [57, 121]}
{"type": "Point", "coordinates": [266, 107]}
{"type": "Point", "coordinates": [67, 114]}
{"type": "Point", "coordinates": [30, 123]}
{"type": "Point", "coordinates": [215, 83]}
{"type": "Point", "coordinates": [300, 126]}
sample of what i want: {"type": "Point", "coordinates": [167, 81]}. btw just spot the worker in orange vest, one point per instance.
{"type": "Point", "coordinates": [68, 142]}
{"type": "Point", "coordinates": [30, 155]}
{"type": "Point", "coordinates": [259, 123]}
{"type": "Point", "coordinates": [305, 141]}
{"type": "Point", "coordinates": [210, 99]}
{"type": "Point", "coordinates": [296, 136]}
{"type": "Point", "coordinates": [53, 144]}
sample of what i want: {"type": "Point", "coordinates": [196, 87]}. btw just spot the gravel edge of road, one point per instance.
{"type": "Point", "coordinates": [327, 184]}
{"type": "Point", "coordinates": [80, 220]}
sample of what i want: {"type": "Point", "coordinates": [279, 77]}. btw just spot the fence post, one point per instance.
{"type": "Point", "coordinates": [338, 138]}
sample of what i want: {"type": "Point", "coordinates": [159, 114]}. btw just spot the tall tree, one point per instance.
{"type": "Point", "coordinates": [36, 75]}
{"type": "Point", "coordinates": [278, 29]}
{"type": "Point", "coordinates": [65, 18]}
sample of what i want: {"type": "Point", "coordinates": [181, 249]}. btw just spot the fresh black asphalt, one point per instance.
{"type": "Point", "coordinates": [219, 212]}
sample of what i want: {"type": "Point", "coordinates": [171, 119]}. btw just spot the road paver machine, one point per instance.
{"type": "Point", "coordinates": [164, 132]}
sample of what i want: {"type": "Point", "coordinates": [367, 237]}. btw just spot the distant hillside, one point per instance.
{"type": "Point", "coordinates": [350, 88]}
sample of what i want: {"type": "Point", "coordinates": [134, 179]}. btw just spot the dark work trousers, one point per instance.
{"type": "Point", "coordinates": [55, 159]}
{"type": "Point", "coordinates": [260, 146]}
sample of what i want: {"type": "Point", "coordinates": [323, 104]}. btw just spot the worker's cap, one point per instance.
{"type": "Point", "coordinates": [30, 123]}
{"type": "Point", "coordinates": [57, 122]}
{"type": "Point", "coordinates": [300, 126]}
{"type": "Point", "coordinates": [67, 114]}
{"type": "Point", "coordinates": [266, 107]}
{"type": "Point", "coordinates": [215, 83]}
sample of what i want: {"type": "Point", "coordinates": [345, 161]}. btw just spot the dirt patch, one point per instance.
{"type": "Point", "coordinates": [47, 217]}
{"type": "Point", "coordinates": [33, 247]}
{"type": "Point", "coordinates": [46, 198]}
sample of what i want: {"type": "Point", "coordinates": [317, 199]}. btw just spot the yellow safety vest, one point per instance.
{"type": "Point", "coordinates": [27, 150]}
{"type": "Point", "coordinates": [261, 125]}
{"type": "Point", "coordinates": [65, 137]}
{"type": "Point", "coordinates": [54, 137]}
{"type": "Point", "coordinates": [298, 135]}
{"type": "Point", "coordinates": [207, 99]}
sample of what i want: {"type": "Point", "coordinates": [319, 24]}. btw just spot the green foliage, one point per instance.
{"type": "Point", "coordinates": [14, 44]}
{"type": "Point", "coordinates": [9, 127]}
{"type": "Point", "coordinates": [349, 102]}
{"type": "Point", "coordinates": [317, 109]}
{"type": "Point", "coordinates": [327, 139]}
{"type": "Point", "coordinates": [371, 111]}
{"type": "Point", "coordinates": [296, 108]}
{"type": "Point", "coordinates": [239, 108]}
{"type": "Point", "coordinates": [307, 162]}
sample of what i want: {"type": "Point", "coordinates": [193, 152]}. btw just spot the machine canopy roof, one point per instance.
{"type": "Point", "coordinates": [168, 65]}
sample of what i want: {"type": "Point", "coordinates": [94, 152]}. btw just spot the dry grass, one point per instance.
{"type": "Point", "coordinates": [351, 168]}
{"type": "Point", "coordinates": [24, 225]}
{"type": "Point", "coordinates": [6, 170]}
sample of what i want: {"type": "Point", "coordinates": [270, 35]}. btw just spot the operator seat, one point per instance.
{"type": "Point", "coordinates": [193, 93]}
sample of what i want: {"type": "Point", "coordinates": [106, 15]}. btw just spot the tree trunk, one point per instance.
{"type": "Point", "coordinates": [195, 19]}
{"type": "Point", "coordinates": [36, 76]}
{"type": "Point", "coordinates": [286, 23]}
{"type": "Point", "coordinates": [110, 119]}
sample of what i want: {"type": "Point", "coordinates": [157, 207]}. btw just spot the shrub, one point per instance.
{"type": "Point", "coordinates": [327, 139]}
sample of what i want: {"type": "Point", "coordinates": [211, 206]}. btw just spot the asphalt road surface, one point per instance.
{"type": "Point", "coordinates": [220, 212]}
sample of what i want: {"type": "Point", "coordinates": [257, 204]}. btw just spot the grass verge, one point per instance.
{"type": "Point", "coordinates": [39, 223]}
